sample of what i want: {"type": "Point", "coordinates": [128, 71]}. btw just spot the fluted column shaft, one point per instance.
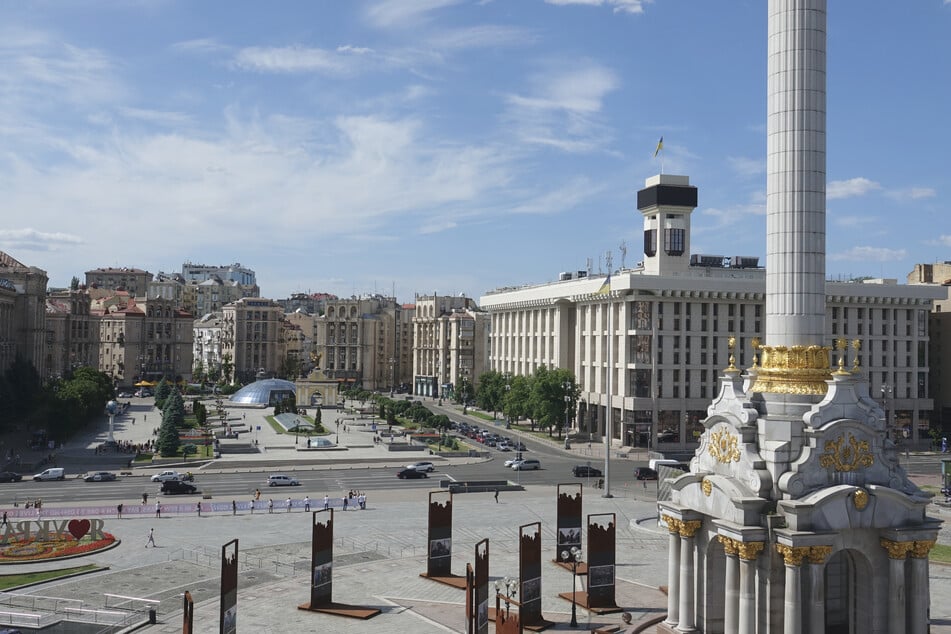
{"type": "Point", "coordinates": [673, 573]}
{"type": "Point", "coordinates": [748, 552]}
{"type": "Point", "coordinates": [896, 595]}
{"type": "Point", "coordinates": [920, 592]}
{"type": "Point", "coordinates": [817, 589]}
{"type": "Point", "coordinates": [731, 610]}
{"type": "Point", "coordinates": [687, 559]}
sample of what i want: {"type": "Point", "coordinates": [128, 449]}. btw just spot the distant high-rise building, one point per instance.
{"type": "Point", "coordinates": [450, 344]}
{"type": "Point", "coordinates": [251, 339]}
{"type": "Point", "coordinates": [73, 332]}
{"type": "Point", "coordinates": [134, 281]}
{"type": "Point", "coordinates": [230, 273]}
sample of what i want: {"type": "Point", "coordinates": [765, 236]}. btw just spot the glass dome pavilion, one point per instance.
{"type": "Point", "coordinates": [265, 392]}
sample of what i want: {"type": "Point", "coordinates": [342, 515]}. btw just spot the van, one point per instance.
{"type": "Point", "coordinates": [53, 473]}
{"type": "Point", "coordinates": [653, 463]}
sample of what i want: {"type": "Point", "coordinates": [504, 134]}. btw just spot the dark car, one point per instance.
{"type": "Point", "coordinates": [411, 473]}
{"type": "Point", "coordinates": [175, 487]}
{"type": "Point", "coordinates": [585, 471]}
{"type": "Point", "coordinates": [645, 473]}
{"type": "Point", "coordinates": [10, 476]}
{"type": "Point", "coordinates": [100, 476]}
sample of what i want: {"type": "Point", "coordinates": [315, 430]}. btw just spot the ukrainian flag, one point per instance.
{"type": "Point", "coordinates": [660, 146]}
{"type": "Point", "coordinates": [606, 287]}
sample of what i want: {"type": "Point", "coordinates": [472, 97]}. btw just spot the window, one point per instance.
{"type": "Point", "coordinates": [674, 241]}
{"type": "Point", "coordinates": [650, 242]}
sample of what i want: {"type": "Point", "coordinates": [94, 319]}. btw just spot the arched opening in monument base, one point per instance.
{"type": "Point", "coordinates": [848, 587]}
{"type": "Point", "coordinates": [710, 611]}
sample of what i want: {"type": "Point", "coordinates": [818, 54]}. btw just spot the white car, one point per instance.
{"type": "Point", "coordinates": [428, 467]}
{"type": "Point", "coordinates": [165, 476]}
{"type": "Point", "coordinates": [281, 480]}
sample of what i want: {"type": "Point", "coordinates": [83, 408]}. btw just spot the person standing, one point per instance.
{"type": "Point", "coordinates": [234, 507]}
{"type": "Point", "coordinates": [198, 508]}
{"type": "Point", "coordinates": [158, 509]}
{"type": "Point", "coordinates": [326, 501]}
{"type": "Point", "coordinates": [118, 512]}
{"type": "Point", "coordinates": [151, 539]}
{"type": "Point", "coordinates": [288, 504]}
{"type": "Point", "coordinates": [270, 505]}
{"type": "Point", "coordinates": [307, 504]}
{"type": "Point", "coordinates": [345, 502]}
{"type": "Point", "coordinates": [4, 522]}
{"type": "Point", "coordinates": [252, 506]}
{"type": "Point", "coordinates": [496, 496]}
{"type": "Point", "coordinates": [362, 500]}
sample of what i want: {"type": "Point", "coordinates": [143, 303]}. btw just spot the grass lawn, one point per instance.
{"type": "Point", "coordinates": [277, 427]}
{"type": "Point", "coordinates": [940, 554]}
{"type": "Point", "coordinates": [13, 581]}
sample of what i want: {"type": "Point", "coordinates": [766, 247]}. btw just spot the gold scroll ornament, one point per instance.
{"type": "Point", "coordinates": [846, 456]}
{"type": "Point", "coordinates": [723, 446]}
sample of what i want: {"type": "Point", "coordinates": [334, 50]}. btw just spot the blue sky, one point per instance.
{"type": "Point", "coordinates": [453, 146]}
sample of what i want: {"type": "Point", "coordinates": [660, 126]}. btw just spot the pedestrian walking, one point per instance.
{"type": "Point", "coordinates": [4, 522]}
{"type": "Point", "coordinates": [288, 504]}
{"type": "Point", "coordinates": [326, 501]}
{"type": "Point", "coordinates": [306, 504]}
{"type": "Point", "coordinates": [198, 508]}
{"type": "Point", "coordinates": [151, 539]}
{"type": "Point", "coordinates": [158, 509]}
{"type": "Point", "coordinates": [145, 418]}
{"type": "Point", "coordinates": [270, 505]}
{"type": "Point", "coordinates": [345, 503]}
{"type": "Point", "coordinates": [234, 507]}
{"type": "Point", "coordinates": [118, 512]}
{"type": "Point", "coordinates": [252, 506]}
{"type": "Point", "coordinates": [145, 498]}
{"type": "Point", "coordinates": [362, 500]}
{"type": "Point", "coordinates": [496, 496]}
{"type": "Point", "coordinates": [257, 494]}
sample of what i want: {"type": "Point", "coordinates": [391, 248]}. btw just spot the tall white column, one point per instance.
{"type": "Point", "coordinates": [796, 173]}
{"type": "Point", "coordinates": [792, 599]}
{"type": "Point", "coordinates": [748, 552]}
{"type": "Point", "coordinates": [731, 610]}
{"type": "Point", "coordinates": [919, 593]}
{"type": "Point", "coordinates": [897, 553]}
{"type": "Point", "coordinates": [817, 590]}
{"type": "Point", "coordinates": [687, 564]}
{"type": "Point", "coordinates": [673, 572]}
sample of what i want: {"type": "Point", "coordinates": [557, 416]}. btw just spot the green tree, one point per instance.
{"type": "Point", "coordinates": [547, 401]}
{"type": "Point", "coordinates": [168, 440]}
{"type": "Point", "coordinates": [174, 408]}
{"type": "Point", "coordinates": [198, 372]}
{"type": "Point", "coordinates": [227, 368]}
{"type": "Point", "coordinates": [162, 390]}
{"type": "Point", "coordinates": [74, 284]}
{"type": "Point", "coordinates": [491, 391]}
{"type": "Point", "coordinates": [517, 401]}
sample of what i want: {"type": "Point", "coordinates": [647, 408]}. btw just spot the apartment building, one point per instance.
{"type": "Point", "coordinates": [229, 273]}
{"type": "Point", "coordinates": [144, 339]}
{"type": "Point", "coordinates": [206, 345]}
{"type": "Point", "coordinates": [73, 332]}
{"type": "Point", "coordinates": [252, 339]}
{"type": "Point", "coordinates": [450, 343]}
{"type": "Point", "coordinates": [132, 280]}
{"type": "Point", "coordinates": [939, 328]}
{"type": "Point", "coordinates": [361, 341]}
{"type": "Point", "coordinates": [648, 344]}
{"type": "Point", "coordinates": [23, 328]}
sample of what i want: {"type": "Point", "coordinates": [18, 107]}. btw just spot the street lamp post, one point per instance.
{"type": "Point", "coordinates": [510, 588]}
{"type": "Point", "coordinates": [885, 390]}
{"type": "Point", "coordinates": [573, 556]}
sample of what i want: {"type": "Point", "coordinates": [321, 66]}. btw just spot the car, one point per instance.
{"type": "Point", "coordinates": [407, 474]}
{"type": "Point", "coordinates": [124, 395]}
{"type": "Point", "coordinates": [586, 471]}
{"type": "Point", "coordinates": [53, 473]}
{"type": "Point", "coordinates": [167, 476]}
{"type": "Point", "coordinates": [503, 446]}
{"type": "Point", "coordinates": [10, 476]}
{"type": "Point", "coordinates": [516, 458]}
{"type": "Point", "coordinates": [519, 446]}
{"type": "Point", "coordinates": [100, 476]}
{"type": "Point", "coordinates": [645, 473]}
{"type": "Point", "coordinates": [529, 464]}
{"type": "Point", "coordinates": [176, 487]}
{"type": "Point", "coordinates": [422, 466]}
{"type": "Point", "coordinates": [281, 480]}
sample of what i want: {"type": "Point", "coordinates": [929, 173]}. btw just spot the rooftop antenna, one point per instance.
{"type": "Point", "coordinates": [600, 270]}
{"type": "Point", "coordinates": [588, 267]}
{"type": "Point", "coordinates": [609, 259]}
{"type": "Point", "coordinates": [623, 248]}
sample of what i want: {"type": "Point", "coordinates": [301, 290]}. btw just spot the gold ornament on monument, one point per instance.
{"type": "Point", "coordinates": [860, 499]}
{"type": "Point", "coordinates": [799, 370]}
{"type": "Point", "coordinates": [723, 446]}
{"type": "Point", "coordinates": [707, 487]}
{"type": "Point", "coordinates": [846, 456]}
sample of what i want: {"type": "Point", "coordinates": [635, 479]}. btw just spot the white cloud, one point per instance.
{"type": "Point", "coordinates": [732, 215]}
{"type": "Point", "coordinates": [34, 240]}
{"type": "Point", "coordinates": [747, 166]}
{"type": "Point", "coordinates": [155, 116]}
{"type": "Point", "coordinates": [400, 13]}
{"type": "Point", "coordinates": [850, 188]}
{"type": "Point", "coordinates": [912, 193]}
{"type": "Point", "coordinates": [484, 36]}
{"type": "Point", "coordinates": [944, 238]}
{"type": "Point", "coordinates": [619, 6]}
{"type": "Point", "coordinates": [200, 45]}
{"type": "Point", "coordinates": [868, 254]}
{"type": "Point", "coordinates": [581, 89]}
{"type": "Point", "coordinates": [564, 198]}
{"type": "Point", "coordinates": [290, 59]}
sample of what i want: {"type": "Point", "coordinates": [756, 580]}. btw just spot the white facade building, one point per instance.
{"type": "Point", "coordinates": [673, 317]}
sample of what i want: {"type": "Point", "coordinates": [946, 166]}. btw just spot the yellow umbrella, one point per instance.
{"type": "Point", "coordinates": [144, 384]}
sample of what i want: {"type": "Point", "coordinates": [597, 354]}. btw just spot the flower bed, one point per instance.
{"type": "Point", "coordinates": [31, 550]}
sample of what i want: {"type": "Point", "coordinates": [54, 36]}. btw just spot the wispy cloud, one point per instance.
{"type": "Point", "coordinates": [561, 109]}
{"type": "Point", "coordinates": [945, 239]}
{"type": "Point", "coordinates": [618, 6]}
{"type": "Point", "coordinates": [294, 59]}
{"type": "Point", "coordinates": [561, 199]}
{"type": "Point", "coordinates": [850, 188]}
{"type": "Point", "coordinates": [200, 45]}
{"type": "Point", "coordinates": [155, 116]}
{"type": "Point", "coordinates": [911, 193]}
{"type": "Point", "coordinates": [484, 36]}
{"type": "Point", "coordinates": [868, 254]}
{"type": "Point", "coordinates": [747, 166]}
{"type": "Point", "coordinates": [30, 239]}
{"type": "Point", "coordinates": [400, 13]}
